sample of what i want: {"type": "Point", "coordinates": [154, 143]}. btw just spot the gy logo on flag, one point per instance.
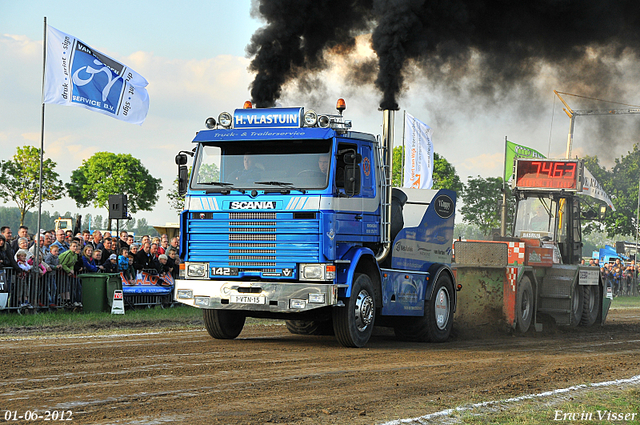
{"type": "Point", "coordinates": [77, 75]}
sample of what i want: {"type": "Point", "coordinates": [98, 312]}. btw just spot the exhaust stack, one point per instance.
{"type": "Point", "coordinates": [388, 125]}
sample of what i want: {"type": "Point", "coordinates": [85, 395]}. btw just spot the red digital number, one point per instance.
{"type": "Point", "coordinates": [547, 168]}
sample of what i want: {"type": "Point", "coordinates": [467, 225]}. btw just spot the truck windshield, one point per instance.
{"type": "Point", "coordinates": [535, 218]}
{"type": "Point", "coordinates": [298, 164]}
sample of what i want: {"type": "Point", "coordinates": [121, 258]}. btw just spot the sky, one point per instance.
{"type": "Point", "coordinates": [193, 56]}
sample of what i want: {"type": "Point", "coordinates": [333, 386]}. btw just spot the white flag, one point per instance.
{"type": "Point", "coordinates": [418, 154]}
{"type": "Point", "coordinates": [78, 75]}
{"type": "Point", "coordinates": [592, 188]}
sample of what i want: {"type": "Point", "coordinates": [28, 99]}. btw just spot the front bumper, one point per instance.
{"type": "Point", "coordinates": [276, 297]}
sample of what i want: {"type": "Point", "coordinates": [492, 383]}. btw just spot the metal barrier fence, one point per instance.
{"type": "Point", "coordinates": [53, 290]}
{"type": "Point", "coordinates": [21, 291]}
{"type": "Point", "coordinates": [626, 286]}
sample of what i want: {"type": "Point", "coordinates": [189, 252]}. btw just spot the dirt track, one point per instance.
{"type": "Point", "coordinates": [269, 375]}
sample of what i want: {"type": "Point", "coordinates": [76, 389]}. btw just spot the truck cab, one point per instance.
{"type": "Point", "coordinates": [286, 215]}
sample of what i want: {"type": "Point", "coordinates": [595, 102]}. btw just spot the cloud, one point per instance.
{"type": "Point", "coordinates": [182, 94]}
{"type": "Point", "coordinates": [484, 164]}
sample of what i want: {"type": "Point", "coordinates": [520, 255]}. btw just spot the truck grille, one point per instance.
{"type": "Point", "coordinates": [254, 240]}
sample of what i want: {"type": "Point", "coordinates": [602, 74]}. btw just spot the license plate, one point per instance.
{"type": "Point", "coordinates": [247, 299]}
{"type": "Point", "coordinates": [224, 271]}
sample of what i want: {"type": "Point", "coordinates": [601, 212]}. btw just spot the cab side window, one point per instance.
{"type": "Point", "coordinates": [348, 177]}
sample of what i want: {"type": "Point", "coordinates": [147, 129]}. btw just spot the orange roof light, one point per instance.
{"type": "Point", "coordinates": [247, 105]}
{"type": "Point", "coordinates": [341, 105]}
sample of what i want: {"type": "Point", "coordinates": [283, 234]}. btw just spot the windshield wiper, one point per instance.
{"type": "Point", "coordinates": [216, 183]}
{"type": "Point", "coordinates": [274, 183]}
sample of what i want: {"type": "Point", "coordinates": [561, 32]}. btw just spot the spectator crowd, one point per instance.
{"type": "Point", "coordinates": [63, 254]}
{"type": "Point", "coordinates": [622, 278]}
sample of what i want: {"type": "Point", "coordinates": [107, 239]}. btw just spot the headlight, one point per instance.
{"type": "Point", "coordinates": [310, 118]}
{"type": "Point", "coordinates": [210, 123]}
{"type": "Point", "coordinates": [311, 271]}
{"type": "Point", "coordinates": [185, 294]}
{"type": "Point", "coordinates": [196, 270]}
{"type": "Point", "coordinates": [322, 272]}
{"type": "Point", "coordinates": [225, 119]}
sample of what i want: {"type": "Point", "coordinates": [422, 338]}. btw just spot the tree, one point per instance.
{"type": "Point", "coordinates": [207, 172]}
{"type": "Point", "coordinates": [621, 184]}
{"type": "Point", "coordinates": [98, 222]}
{"type": "Point", "coordinates": [176, 201]}
{"type": "Point", "coordinates": [130, 225]}
{"type": "Point", "coordinates": [481, 203]}
{"type": "Point", "coordinates": [143, 227]}
{"type": "Point", "coordinates": [19, 180]}
{"type": "Point", "coordinates": [444, 174]}
{"type": "Point", "coordinates": [105, 174]}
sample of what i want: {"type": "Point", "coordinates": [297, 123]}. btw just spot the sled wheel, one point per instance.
{"type": "Point", "coordinates": [524, 305]}
{"type": "Point", "coordinates": [353, 323]}
{"type": "Point", "coordinates": [592, 302]}
{"type": "Point", "coordinates": [577, 304]}
{"type": "Point", "coordinates": [223, 324]}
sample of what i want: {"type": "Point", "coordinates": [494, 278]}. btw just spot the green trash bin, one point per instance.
{"type": "Point", "coordinates": [113, 282]}
{"type": "Point", "coordinates": [94, 292]}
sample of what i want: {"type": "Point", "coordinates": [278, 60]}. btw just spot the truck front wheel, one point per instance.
{"type": "Point", "coordinates": [353, 323]}
{"type": "Point", "coordinates": [223, 324]}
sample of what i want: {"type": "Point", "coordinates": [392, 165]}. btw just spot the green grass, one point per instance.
{"type": "Point", "coordinates": [584, 404]}
{"type": "Point", "coordinates": [68, 320]}
{"type": "Point", "coordinates": [179, 316]}
{"type": "Point", "coordinates": [626, 302]}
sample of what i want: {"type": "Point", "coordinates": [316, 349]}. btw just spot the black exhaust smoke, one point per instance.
{"type": "Point", "coordinates": [499, 44]}
{"type": "Point", "coordinates": [295, 37]}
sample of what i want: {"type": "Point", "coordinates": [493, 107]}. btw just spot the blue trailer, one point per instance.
{"type": "Point", "coordinates": [291, 215]}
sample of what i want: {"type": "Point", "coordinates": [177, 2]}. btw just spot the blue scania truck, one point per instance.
{"type": "Point", "coordinates": [290, 215]}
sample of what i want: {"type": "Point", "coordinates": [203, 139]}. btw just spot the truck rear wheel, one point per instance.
{"type": "Point", "coordinates": [223, 324]}
{"type": "Point", "coordinates": [435, 325]}
{"type": "Point", "coordinates": [310, 327]}
{"type": "Point", "coordinates": [591, 307]}
{"type": "Point", "coordinates": [524, 305]}
{"type": "Point", "coordinates": [577, 304]}
{"type": "Point", "coordinates": [353, 323]}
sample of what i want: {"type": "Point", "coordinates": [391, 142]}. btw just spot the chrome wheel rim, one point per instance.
{"type": "Point", "coordinates": [364, 310]}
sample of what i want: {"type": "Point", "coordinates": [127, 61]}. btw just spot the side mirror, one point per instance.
{"type": "Point", "coordinates": [183, 175]}
{"type": "Point", "coordinates": [352, 158]}
{"type": "Point", "coordinates": [352, 180]}
{"type": "Point", "coordinates": [181, 159]}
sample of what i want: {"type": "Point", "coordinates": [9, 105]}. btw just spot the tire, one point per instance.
{"type": "Point", "coordinates": [577, 304]}
{"type": "Point", "coordinates": [525, 305]}
{"type": "Point", "coordinates": [429, 328]}
{"type": "Point", "coordinates": [310, 327]}
{"type": "Point", "coordinates": [439, 310]}
{"type": "Point", "coordinates": [353, 323]}
{"type": "Point", "coordinates": [223, 324]}
{"type": "Point", "coordinates": [591, 306]}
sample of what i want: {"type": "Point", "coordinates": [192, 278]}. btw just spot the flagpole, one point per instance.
{"type": "Point", "coordinates": [503, 212]}
{"type": "Point", "coordinates": [44, 64]}
{"type": "Point", "coordinates": [404, 126]}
